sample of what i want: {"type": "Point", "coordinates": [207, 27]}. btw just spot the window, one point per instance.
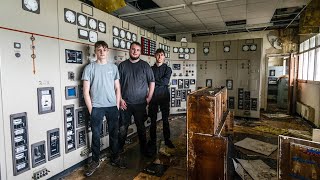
{"type": "Point", "coordinates": [301, 47]}
{"type": "Point", "coordinates": [317, 67]}
{"type": "Point", "coordinates": [306, 45]}
{"type": "Point", "coordinates": [305, 66]}
{"type": "Point", "coordinates": [300, 66]}
{"type": "Point", "coordinates": [318, 40]}
{"type": "Point", "coordinates": [312, 42]}
{"type": "Point", "coordinates": [311, 65]}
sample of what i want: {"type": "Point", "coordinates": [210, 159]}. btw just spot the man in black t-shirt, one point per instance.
{"type": "Point", "coordinates": [137, 86]}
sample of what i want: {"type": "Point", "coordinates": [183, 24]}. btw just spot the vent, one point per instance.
{"type": "Point", "coordinates": [236, 23]}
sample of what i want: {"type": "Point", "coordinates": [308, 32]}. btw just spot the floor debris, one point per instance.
{"type": "Point", "coordinates": [258, 170]}
{"type": "Point", "coordinates": [257, 146]}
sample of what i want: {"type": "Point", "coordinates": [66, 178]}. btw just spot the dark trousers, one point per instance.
{"type": "Point", "coordinates": [138, 111]}
{"type": "Point", "coordinates": [153, 110]}
{"type": "Point", "coordinates": [112, 116]}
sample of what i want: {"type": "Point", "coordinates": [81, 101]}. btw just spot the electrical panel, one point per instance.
{"type": "Point", "coordinates": [46, 103]}
{"type": "Point", "coordinates": [38, 152]}
{"type": "Point", "coordinates": [81, 137]}
{"type": "Point", "coordinates": [81, 117]}
{"type": "Point", "coordinates": [53, 139]}
{"type": "Point", "coordinates": [20, 143]}
{"type": "Point", "coordinates": [70, 142]}
{"type": "Point", "coordinates": [73, 56]}
{"type": "Point", "coordinates": [71, 92]}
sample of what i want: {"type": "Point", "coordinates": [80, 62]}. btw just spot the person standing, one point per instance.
{"type": "Point", "coordinates": [137, 84]}
{"type": "Point", "coordinates": [161, 97]}
{"type": "Point", "coordinates": [101, 90]}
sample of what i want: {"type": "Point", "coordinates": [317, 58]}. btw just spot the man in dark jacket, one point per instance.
{"type": "Point", "coordinates": [161, 97]}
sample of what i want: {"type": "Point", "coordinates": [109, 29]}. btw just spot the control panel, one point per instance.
{"type": "Point", "coordinates": [70, 143]}
{"type": "Point", "coordinates": [38, 152]}
{"type": "Point", "coordinates": [53, 139]}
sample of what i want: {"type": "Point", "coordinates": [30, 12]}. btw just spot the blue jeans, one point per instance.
{"type": "Point", "coordinates": [112, 116]}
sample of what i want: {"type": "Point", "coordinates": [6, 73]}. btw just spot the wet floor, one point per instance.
{"type": "Point", "coordinates": [266, 129]}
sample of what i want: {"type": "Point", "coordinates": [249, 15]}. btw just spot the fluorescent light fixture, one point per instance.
{"type": "Point", "coordinates": [154, 11]}
{"type": "Point", "coordinates": [209, 2]}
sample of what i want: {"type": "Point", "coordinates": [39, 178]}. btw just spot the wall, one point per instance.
{"type": "Point", "coordinates": [266, 49]}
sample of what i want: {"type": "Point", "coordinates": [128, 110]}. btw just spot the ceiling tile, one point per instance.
{"type": "Point", "coordinates": [208, 13]}
{"type": "Point", "coordinates": [261, 6]}
{"type": "Point", "coordinates": [259, 20]}
{"type": "Point", "coordinates": [180, 11]}
{"type": "Point", "coordinates": [185, 17]}
{"type": "Point", "coordinates": [204, 7]}
{"type": "Point", "coordinates": [212, 19]}
{"type": "Point", "coordinates": [170, 25]}
{"type": "Point", "coordinates": [260, 14]}
{"type": "Point", "coordinates": [148, 22]}
{"type": "Point", "coordinates": [258, 1]}
{"type": "Point", "coordinates": [232, 3]}
{"type": "Point", "coordinates": [162, 14]}
{"type": "Point", "coordinates": [233, 10]}
{"type": "Point", "coordinates": [234, 17]}
{"type": "Point", "coordinates": [137, 18]}
{"type": "Point", "coordinates": [166, 19]}
{"type": "Point", "coordinates": [192, 22]}
{"type": "Point", "coordinates": [291, 3]}
{"type": "Point", "coordinates": [166, 3]}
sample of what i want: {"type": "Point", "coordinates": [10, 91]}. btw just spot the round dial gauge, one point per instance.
{"type": "Point", "coordinates": [93, 36]}
{"type": "Point", "coordinates": [115, 42]}
{"type": "Point", "coordinates": [245, 48]}
{"type": "Point", "coordinates": [128, 35]}
{"type": "Point", "coordinates": [70, 16]}
{"type": "Point", "coordinates": [31, 5]}
{"type": "Point", "coordinates": [186, 50]}
{"type": "Point", "coordinates": [122, 44]}
{"type": "Point", "coordinates": [226, 49]}
{"type": "Point", "coordinates": [93, 24]}
{"type": "Point", "coordinates": [253, 47]}
{"type": "Point", "coordinates": [134, 37]}
{"type": "Point", "coordinates": [102, 27]}
{"type": "Point", "coordinates": [181, 50]}
{"type": "Point", "coordinates": [122, 33]}
{"type": "Point", "coordinates": [186, 56]}
{"type": "Point", "coordinates": [115, 31]}
{"type": "Point", "coordinates": [175, 50]}
{"type": "Point", "coordinates": [128, 45]}
{"type": "Point", "coordinates": [206, 50]}
{"type": "Point", "coordinates": [82, 20]}
{"type": "Point", "coordinates": [192, 50]}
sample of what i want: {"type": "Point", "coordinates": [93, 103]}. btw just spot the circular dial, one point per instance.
{"type": "Point", "coordinates": [181, 50]}
{"type": "Point", "coordinates": [115, 31]}
{"type": "Point", "coordinates": [93, 36]}
{"type": "Point", "coordinates": [102, 27]}
{"type": "Point", "coordinates": [93, 24]}
{"type": "Point", "coordinates": [186, 56]}
{"type": "Point", "coordinates": [122, 44]}
{"type": "Point", "coordinates": [122, 33]}
{"type": "Point", "coordinates": [116, 42]}
{"type": "Point", "coordinates": [128, 45]}
{"type": "Point", "coordinates": [192, 50]}
{"type": "Point", "coordinates": [134, 37]}
{"type": "Point", "coordinates": [128, 35]}
{"type": "Point", "coordinates": [186, 50]}
{"type": "Point", "coordinates": [175, 49]}
{"type": "Point", "coordinates": [70, 16]}
{"type": "Point", "coordinates": [253, 47]}
{"type": "Point", "coordinates": [206, 50]}
{"type": "Point", "coordinates": [82, 20]}
{"type": "Point", "coordinates": [245, 48]}
{"type": "Point", "coordinates": [226, 49]}
{"type": "Point", "coordinates": [31, 5]}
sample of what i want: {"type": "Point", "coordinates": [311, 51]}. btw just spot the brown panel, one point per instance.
{"type": "Point", "coordinates": [298, 159]}
{"type": "Point", "coordinates": [207, 157]}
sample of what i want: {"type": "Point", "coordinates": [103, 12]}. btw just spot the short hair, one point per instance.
{"type": "Point", "coordinates": [99, 44]}
{"type": "Point", "coordinates": [160, 51]}
{"type": "Point", "coordinates": [135, 43]}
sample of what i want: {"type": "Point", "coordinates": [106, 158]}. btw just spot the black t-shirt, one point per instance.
{"type": "Point", "coordinates": [134, 81]}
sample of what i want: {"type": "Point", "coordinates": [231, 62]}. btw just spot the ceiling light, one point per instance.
{"type": "Point", "coordinates": [209, 2]}
{"type": "Point", "coordinates": [154, 11]}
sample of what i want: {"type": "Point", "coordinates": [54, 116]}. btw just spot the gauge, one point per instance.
{"type": "Point", "coordinates": [31, 5]}
{"type": "Point", "coordinates": [128, 35]}
{"type": "Point", "coordinates": [115, 42]}
{"type": "Point", "coordinates": [93, 36]}
{"type": "Point", "coordinates": [253, 47]}
{"type": "Point", "coordinates": [245, 48]}
{"type": "Point", "coordinates": [122, 44]}
{"type": "Point", "coordinates": [115, 31]}
{"type": "Point", "coordinates": [186, 56]}
{"type": "Point", "coordinates": [226, 49]}
{"type": "Point", "coordinates": [134, 37]}
{"type": "Point", "coordinates": [82, 20]}
{"type": "Point", "coordinates": [102, 26]}
{"type": "Point", "coordinates": [186, 50]}
{"type": "Point", "coordinates": [181, 50]}
{"type": "Point", "coordinates": [206, 50]}
{"type": "Point", "coordinates": [175, 50]}
{"type": "Point", "coordinates": [83, 34]}
{"type": "Point", "coordinates": [122, 33]}
{"type": "Point", "coordinates": [192, 50]}
{"type": "Point", "coordinates": [69, 16]}
{"type": "Point", "coordinates": [128, 45]}
{"type": "Point", "coordinates": [92, 24]}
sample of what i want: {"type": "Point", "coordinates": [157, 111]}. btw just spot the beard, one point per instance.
{"type": "Point", "coordinates": [134, 58]}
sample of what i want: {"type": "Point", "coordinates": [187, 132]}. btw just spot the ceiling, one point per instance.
{"type": "Point", "coordinates": [211, 18]}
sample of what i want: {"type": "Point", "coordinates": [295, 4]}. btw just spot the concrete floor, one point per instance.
{"type": "Point", "coordinates": [265, 129]}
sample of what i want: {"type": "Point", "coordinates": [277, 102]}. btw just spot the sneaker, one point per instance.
{"type": "Point", "coordinates": [169, 144]}
{"type": "Point", "coordinates": [119, 162]}
{"type": "Point", "coordinates": [92, 168]}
